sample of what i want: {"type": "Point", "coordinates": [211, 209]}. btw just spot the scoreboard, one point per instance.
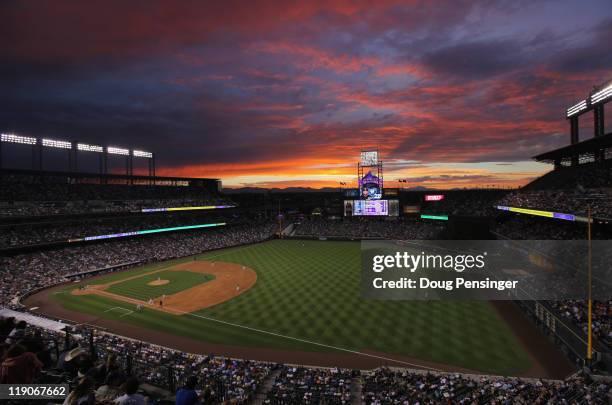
{"type": "Point", "coordinates": [371, 208]}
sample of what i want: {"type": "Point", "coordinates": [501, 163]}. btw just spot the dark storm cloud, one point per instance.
{"type": "Point", "coordinates": [480, 60]}
{"type": "Point", "coordinates": [590, 56]}
{"type": "Point", "coordinates": [273, 86]}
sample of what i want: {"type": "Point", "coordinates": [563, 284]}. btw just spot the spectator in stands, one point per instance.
{"type": "Point", "coordinates": [110, 366]}
{"type": "Point", "coordinates": [369, 228]}
{"type": "Point", "coordinates": [111, 387]}
{"type": "Point", "coordinates": [27, 196]}
{"type": "Point", "coordinates": [19, 366]}
{"type": "Point", "coordinates": [188, 395]}
{"type": "Point", "coordinates": [74, 361]}
{"type": "Point", "coordinates": [17, 333]}
{"type": "Point", "coordinates": [312, 386]}
{"type": "Point", "coordinates": [131, 396]}
{"type": "Point", "coordinates": [83, 393]}
{"type": "Point", "coordinates": [566, 201]}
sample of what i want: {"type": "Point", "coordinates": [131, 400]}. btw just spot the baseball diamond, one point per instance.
{"type": "Point", "coordinates": [305, 299]}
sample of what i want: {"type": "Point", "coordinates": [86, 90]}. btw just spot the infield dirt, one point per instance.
{"type": "Point", "coordinates": [230, 281]}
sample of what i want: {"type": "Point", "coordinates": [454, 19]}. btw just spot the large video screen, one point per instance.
{"type": "Point", "coordinates": [370, 207]}
{"type": "Point", "coordinates": [370, 186]}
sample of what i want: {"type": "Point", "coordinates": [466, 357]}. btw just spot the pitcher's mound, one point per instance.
{"type": "Point", "coordinates": [158, 282]}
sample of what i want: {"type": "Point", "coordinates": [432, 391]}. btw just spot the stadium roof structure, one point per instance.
{"type": "Point", "coordinates": [596, 149]}
{"type": "Point", "coordinates": [109, 178]}
{"type": "Point", "coordinates": [588, 150]}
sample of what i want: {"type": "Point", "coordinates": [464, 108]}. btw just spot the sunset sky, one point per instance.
{"type": "Point", "coordinates": [276, 94]}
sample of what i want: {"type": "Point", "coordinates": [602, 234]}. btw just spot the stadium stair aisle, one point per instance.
{"type": "Point", "coordinates": [266, 386]}
{"type": "Point", "coordinates": [356, 391]}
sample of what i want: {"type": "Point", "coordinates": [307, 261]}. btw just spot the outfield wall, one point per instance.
{"type": "Point", "coordinates": [567, 335]}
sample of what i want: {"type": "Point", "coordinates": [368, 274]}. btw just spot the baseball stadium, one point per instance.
{"type": "Point", "coordinates": [162, 245]}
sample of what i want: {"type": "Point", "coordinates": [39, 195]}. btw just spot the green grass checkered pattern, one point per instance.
{"type": "Point", "coordinates": [178, 281]}
{"type": "Point", "coordinates": [311, 290]}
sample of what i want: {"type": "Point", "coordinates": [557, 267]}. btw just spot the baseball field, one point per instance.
{"type": "Point", "coordinates": [297, 302]}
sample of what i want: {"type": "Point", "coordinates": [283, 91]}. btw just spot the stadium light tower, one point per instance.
{"type": "Point", "coordinates": [143, 154]}
{"type": "Point", "coordinates": [37, 146]}
{"type": "Point", "coordinates": [114, 150]}
{"type": "Point", "coordinates": [572, 114]}
{"type": "Point", "coordinates": [85, 147]}
{"type": "Point", "coordinates": [21, 140]}
{"type": "Point", "coordinates": [598, 99]}
{"type": "Point", "coordinates": [589, 354]}
{"type": "Point", "coordinates": [595, 101]}
{"type": "Point", "coordinates": [57, 144]}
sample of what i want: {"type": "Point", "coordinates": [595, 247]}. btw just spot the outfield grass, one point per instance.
{"type": "Point", "coordinates": [311, 290]}
{"type": "Point", "coordinates": [178, 281]}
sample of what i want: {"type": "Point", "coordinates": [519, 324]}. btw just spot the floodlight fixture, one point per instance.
{"type": "Point", "coordinates": [142, 153]}
{"type": "Point", "coordinates": [602, 94]}
{"type": "Point", "coordinates": [113, 150]}
{"type": "Point", "coordinates": [85, 147]}
{"type": "Point", "coordinates": [12, 138]}
{"type": "Point", "coordinates": [576, 108]}
{"type": "Point", "coordinates": [54, 143]}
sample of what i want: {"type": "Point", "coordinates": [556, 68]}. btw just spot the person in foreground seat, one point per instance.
{"type": "Point", "coordinates": [188, 395]}
{"type": "Point", "coordinates": [131, 397]}
{"type": "Point", "coordinates": [19, 366]}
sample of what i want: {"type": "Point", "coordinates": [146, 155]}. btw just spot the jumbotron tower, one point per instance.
{"type": "Point", "coordinates": [370, 175]}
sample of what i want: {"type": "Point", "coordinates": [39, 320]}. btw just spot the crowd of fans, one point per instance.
{"type": "Point", "coordinates": [18, 187]}
{"type": "Point", "coordinates": [25, 272]}
{"type": "Point", "coordinates": [385, 386]}
{"type": "Point", "coordinates": [477, 203]}
{"type": "Point", "coordinates": [51, 208]}
{"type": "Point", "coordinates": [101, 368]}
{"type": "Point", "coordinates": [520, 227]}
{"type": "Point", "coordinates": [33, 233]}
{"type": "Point", "coordinates": [300, 385]}
{"type": "Point", "coordinates": [587, 176]}
{"type": "Point", "coordinates": [369, 228]}
{"type": "Point", "coordinates": [565, 201]}
{"type": "Point", "coordinates": [524, 227]}
{"type": "Point", "coordinates": [577, 312]}
{"type": "Point", "coordinates": [23, 195]}
{"type": "Point", "coordinates": [217, 378]}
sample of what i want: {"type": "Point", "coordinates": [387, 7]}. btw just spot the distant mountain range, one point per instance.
{"type": "Point", "coordinates": [299, 190]}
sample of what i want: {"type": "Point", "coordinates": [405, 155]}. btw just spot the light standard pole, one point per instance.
{"type": "Point", "coordinates": [590, 292]}
{"type": "Point", "coordinates": [589, 353]}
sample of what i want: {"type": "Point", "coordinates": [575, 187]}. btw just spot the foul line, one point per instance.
{"type": "Point", "coordinates": [128, 311]}
{"type": "Point", "coordinates": [315, 343]}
